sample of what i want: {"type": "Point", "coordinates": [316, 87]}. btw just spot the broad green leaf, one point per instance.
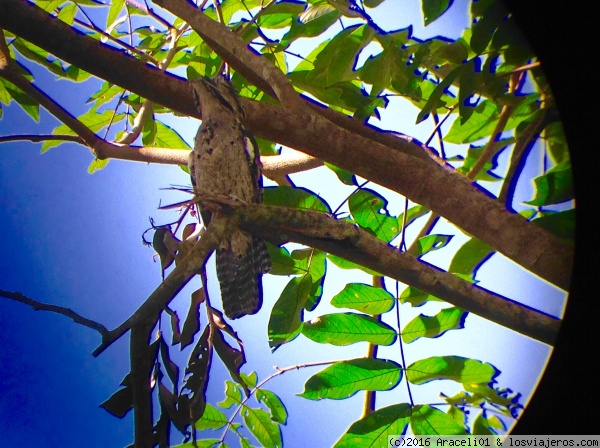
{"type": "Point", "coordinates": [372, 3]}
{"type": "Point", "coordinates": [427, 420]}
{"type": "Point", "coordinates": [336, 61]}
{"type": "Point", "coordinates": [416, 297]}
{"type": "Point", "coordinates": [346, 177]}
{"type": "Point", "coordinates": [368, 209]}
{"type": "Point", "coordinates": [481, 427]}
{"type": "Point", "coordinates": [348, 328]}
{"type": "Point", "coordinates": [554, 187]}
{"type": "Point", "coordinates": [346, 264]}
{"type": "Point", "coordinates": [484, 119]}
{"type": "Point", "coordinates": [286, 317]}
{"type": "Point", "coordinates": [295, 197]}
{"type": "Point", "coordinates": [364, 298]}
{"type": "Point", "coordinates": [93, 120]}
{"type": "Point", "coordinates": [559, 223]}
{"type": "Point", "coordinates": [434, 326]}
{"type": "Point", "coordinates": [281, 261]}
{"type": "Point", "coordinates": [379, 69]}
{"type": "Point", "coordinates": [273, 402]}
{"type": "Point", "coordinates": [455, 368]}
{"type": "Point", "coordinates": [344, 379]}
{"type": "Point", "coordinates": [211, 419]}
{"type": "Point", "coordinates": [374, 429]}
{"type": "Point", "coordinates": [433, 9]}
{"type": "Point", "coordinates": [37, 54]}
{"type": "Point", "coordinates": [310, 28]}
{"type": "Point", "coordinates": [167, 137]}
{"type": "Point", "coordinates": [311, 261]}
{"type": "Point", "coordinates": [557, 142]}
{"type": "Point", "coordinates": [502, 398]}
{"type": "Point", "coordinates": [280, 15]}
{"type": "Point", "coordinates": [262, 427]}
{"type": "Point", "coordinates": [28, 104]}
{"type": "Point", "coordinates": [250, 380]}
{"type": "Point", "coordinates": [233, 395]}
{"type": "Point", "coordinates": [430, 243]}
{"type": "Point", "coordinates": [67, 13]}
{"type": "Point", "coordinates": [475, 152]}
{"type": "Point", "coordinates": [470, 257]}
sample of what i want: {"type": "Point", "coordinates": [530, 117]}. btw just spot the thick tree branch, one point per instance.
{"type": "Point", "coordinates": [280, 224]}
{"type": "Point", "coordinates": [422, 180]}
{"type": "Point", "coordinates": [186, 267]}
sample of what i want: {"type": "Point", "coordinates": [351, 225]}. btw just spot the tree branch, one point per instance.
{"type": "Point", "coordinates": [39, 306]}
{"type": "Point", "coordinates": [281, 224]}
{"type": "Point", "coordinates": [422, 180]}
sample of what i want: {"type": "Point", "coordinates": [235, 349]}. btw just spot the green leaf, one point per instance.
{"type": "Point", "coordinates": [344, 379]}
{"type": "Point", "coordinates": [116, 7]}
{"type": "Point", "coordinates": [310, 261]}
{"type": "Point", "coordinates": [557, 142]}
{"type": "Point", "coordinates": [97, 165]}
{"type": "Point", "coordinates": [336, 61]}
{"type": "Point", "coordinates": [485, 117]}
{"type": "Point", "coordinates": [211, 419]}
{"type": "Point", "coordinates": [560, 223]}
{"type": "Point", "coordinates": [368, 209]}
{"type": "Point", "coordinates": [427, 420]}
{"type": "Point", "coordinates": [285, 322]}
{"type": "Point", "coordinates": [416, 297]}
{"type": "Point", "coordinates": [348, 328]}
{"type": "Point", "coordinates": [310, 28]}
{"type": "Point", "coordinates": [431, 243]}
{"type": "Point", "coordinates": [374, 429]}
{"type": "Point", "coordinates": [202, 443]}
{"type": "Point", "coordinates": [433, 9]}
{"type": "Point", "coordinates": [346, 177]}
{"type": "Point", "coordinates": [262, 427]}
{"type": "Point", "coordinates": [167, 137]}
{"type": "Point", "coordinates": [273, 402]}
{"type": "Point", "coordinates": [280, 15]}
{"type": "Point", "coordinates": [281, 261]}
{"type": "Point", "coordinates": [301, 198]}
{"type": "Point", "coordinates": [470, 257]}
{"type": "Point", "coordinates": [67, 13]}
{"type": "Point", "coordinates": [27, 103]}
{"type": "Point", "coordinates": [346, 264]}
{"type": "Point", "coordinates": [554, 187]}
{"type": "Point", "coordinates": [486, 25]}
{"type": "Point", "coordinates": [233, 395]}
{"type": "Point", "coordinates": [434, 99]}
{"type": "Point", "coordinates": [434, 326]}
{"type": "Point", "coordinates": [249, 380]}
{"type": "Point", "coordinates": [364, 298]}
{"type": "Point", "coordinates": [379, 69]}
{"type": "Point", "coordinates": [455, 368]}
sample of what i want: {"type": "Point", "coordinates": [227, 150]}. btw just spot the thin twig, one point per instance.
{"type": "Point", "coordinates": [39, 306]}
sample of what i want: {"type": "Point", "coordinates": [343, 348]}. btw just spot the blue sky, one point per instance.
{"type": "Point", "coordinates": [74, 239]}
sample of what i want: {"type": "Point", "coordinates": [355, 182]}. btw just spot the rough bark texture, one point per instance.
{"type": "Point", "coordinates": [397, 167]}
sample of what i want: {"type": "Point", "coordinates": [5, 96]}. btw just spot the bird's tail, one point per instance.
{"type": "Point", "coordinates": [240, 278]}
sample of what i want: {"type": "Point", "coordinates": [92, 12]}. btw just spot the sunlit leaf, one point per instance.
{"type": "Point", "coordinates": [344, 379]}
{"type": "Point", "coordinates": [280, 15]}
{"type": "Point", "coordinates": [433, 9]}
{"type": "Point", "coordinates": [262, 427]}
{"type": "Point", "coordinates": [211, 419]}
{"type": "Point", "coordinates": [310, 28]}
{"type": "Point", "coordinates": [233, 395]}
{"type": "Point", "coordinates": [469, 258]}
{"type": "Point", "coordinates": [455, 368]}
{"type": "Point", "coordinates": [374, 429]}
{"type": "Point", "coordinates": [346, 264]}
{"type": "Point", "coordinates": [434, 326]}
{"type": "Point", "coordinates": [427, 420]}
{"type": "Point", "coordinates": [281, 261]}
{"type": "Point", "coordinates": [416, 297]}
{"type": "Point", "coordinates": [431, 243]}
{"type": "Point", "coordinates": [295, 197]}
{"type": "Point", "coordinates": [364, 298]}
{"type": "Point", "coordinates": [285, 322]}
{"type": "Point", "coordinates": [348, 328]}
{"type": "Point", "coordinates": [554, 187]}
{"type": "Point", "coordinates": [273, 402]}
{"type": "Point", "coordinates": [368, 209]}
{"type": "Point", "coordinates": [167, 137]}
{"type": "Point", "coordinates": [560, 223]}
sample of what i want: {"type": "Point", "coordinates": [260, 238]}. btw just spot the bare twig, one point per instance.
{"type": "Point", "coordinates": [39, 306]}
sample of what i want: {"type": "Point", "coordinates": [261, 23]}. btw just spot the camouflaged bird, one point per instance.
{"type": "Point", "coordinates": [225, 162]}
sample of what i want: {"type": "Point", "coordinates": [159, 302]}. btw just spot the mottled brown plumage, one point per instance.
{"type": "Point", "coordinates": [225, 162]}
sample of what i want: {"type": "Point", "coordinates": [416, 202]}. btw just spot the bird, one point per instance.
{"type": "Point", "coordinates": [225, 162]}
